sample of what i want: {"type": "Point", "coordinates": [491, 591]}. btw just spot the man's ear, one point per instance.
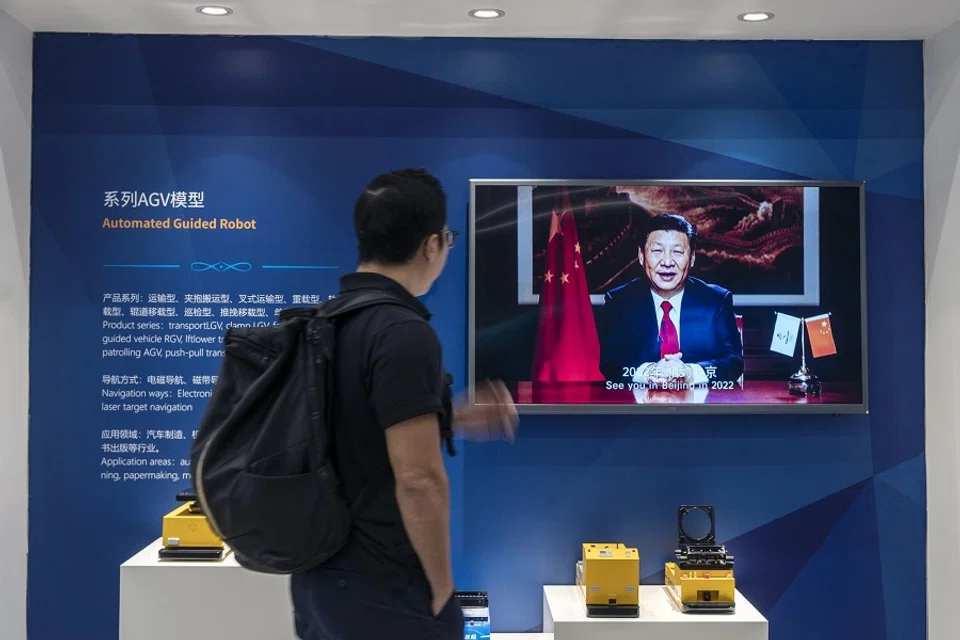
{"type": "Point", "coordinates": [693, 258]}
{"type": "Point", "coordinates": [431, 249]}
{"type": "Point", "coordinates": [640, 255]}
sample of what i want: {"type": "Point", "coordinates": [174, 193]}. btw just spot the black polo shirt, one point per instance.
{"type": "Point", "coordinates": [390, 369]}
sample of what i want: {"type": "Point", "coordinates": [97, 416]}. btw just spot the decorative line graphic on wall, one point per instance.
{"type": "Point", "coordinates": [141, 266]}
{"type": "Point", "coordinates": [299, 267]}
{"type": "Point", "coordinates": [221, 266]}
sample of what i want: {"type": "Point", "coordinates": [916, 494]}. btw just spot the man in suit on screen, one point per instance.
{"type": "Point", "coordinates": [666, 328]}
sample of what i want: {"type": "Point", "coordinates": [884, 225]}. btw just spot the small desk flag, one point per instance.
{"type": "Point", "coordinates": [821, 336]}
{"type": "Point", "coordinates": [785, 334]}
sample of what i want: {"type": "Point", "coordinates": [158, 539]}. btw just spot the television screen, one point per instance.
{"type": "Point", "coordinates": [648, 296]}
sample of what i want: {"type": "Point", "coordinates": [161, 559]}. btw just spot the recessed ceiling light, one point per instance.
{"type": "Point", "coordinates": [755, 16]}
{"type": "Point", "coordinates": [214, 11]}
{"type": "Point", "coordinates": [486, 14]}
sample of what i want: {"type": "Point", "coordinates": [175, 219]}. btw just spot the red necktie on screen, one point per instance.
{"type": "Point", "coordinates": [669, 340]}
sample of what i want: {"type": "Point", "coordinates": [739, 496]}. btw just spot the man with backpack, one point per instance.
{"type": "Point", "coordinates": [393, 414]}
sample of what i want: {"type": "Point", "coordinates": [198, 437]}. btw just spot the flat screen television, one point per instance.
{"type": "Point", "coordinates": [683, 296]}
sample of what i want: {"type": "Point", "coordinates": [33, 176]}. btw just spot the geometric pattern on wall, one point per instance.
{"type": "Point", "coordinates": [826, 514]}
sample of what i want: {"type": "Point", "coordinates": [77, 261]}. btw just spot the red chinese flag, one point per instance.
{"type": "Point", "coordinates": [821, 336]}
{"type": "Point", "coordinates": [567, 349]}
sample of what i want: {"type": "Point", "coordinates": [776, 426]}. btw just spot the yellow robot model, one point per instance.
{"type": "Point", "coordinates": [700, 580]}
{"type": "Point", "coordinates": [608, 576]}
{"type": "Point", "coordinates": [187, 534]}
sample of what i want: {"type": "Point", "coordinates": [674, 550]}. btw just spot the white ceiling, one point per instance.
{"type": "Point", "coordinates": [680, 19]}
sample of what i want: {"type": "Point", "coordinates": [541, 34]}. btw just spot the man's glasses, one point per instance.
{"type": "Point", "coordinates": [450, 237]}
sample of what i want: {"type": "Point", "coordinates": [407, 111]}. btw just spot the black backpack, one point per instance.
{"type": "Point", "coordinates": [261, 464]}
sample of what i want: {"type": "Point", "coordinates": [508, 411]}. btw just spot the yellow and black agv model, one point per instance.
{"type": "Point", "coordinates": [700, 579]}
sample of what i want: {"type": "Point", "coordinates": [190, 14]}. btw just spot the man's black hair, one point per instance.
{"type": "Point", "coordinates": [396, 213]}
{"type": "Point", "coordinates": [670, 222]}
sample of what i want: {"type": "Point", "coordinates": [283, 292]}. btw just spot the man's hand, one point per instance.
{"type": "Point", "coordinates": [493, 416]}
{"type": "Point", "coordinates": [684, 371]}
{"type": "Point", "coordinates": [670, 371]}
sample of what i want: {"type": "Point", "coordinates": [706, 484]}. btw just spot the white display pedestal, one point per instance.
{"type": "Point", "coordinates": [161, 600]}
{"type": "Point", "coordinates": [564, 615]}
{"type": "Point", "coordinates": [164, 600]}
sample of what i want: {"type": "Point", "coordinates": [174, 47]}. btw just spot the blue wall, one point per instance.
{"type": "Point", "coordinates": [826, 514]}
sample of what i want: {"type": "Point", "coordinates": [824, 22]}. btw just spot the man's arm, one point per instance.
{"type": "Point", "coordinates": [406, 387]}
{"type": "Point", "coordinates": [423, 495]}
{"type": "Point", "coordinates": [618, 342]}
{"type": "Point", "coordinates": [613, 336]}
{"type": "Point", "coordinates": [728, 347]}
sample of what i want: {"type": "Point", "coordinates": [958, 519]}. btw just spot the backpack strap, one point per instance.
{"type": "Point", "coordinates": [368, 299]}
{"type": "Point", "coordinates": [354, 302]}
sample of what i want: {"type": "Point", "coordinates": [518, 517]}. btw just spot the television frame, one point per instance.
{"type": "Point", "coordinates": [671, 409]}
